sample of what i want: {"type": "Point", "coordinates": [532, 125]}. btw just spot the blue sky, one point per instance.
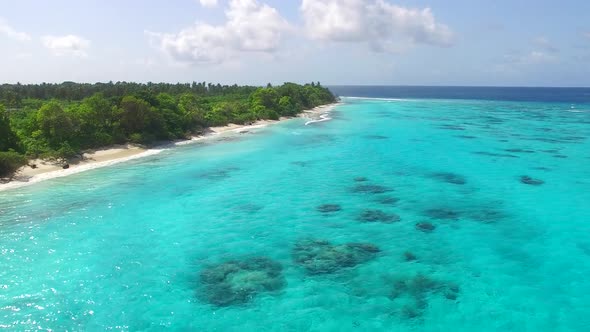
{"type": "Point", "coordinates": [426, 42]}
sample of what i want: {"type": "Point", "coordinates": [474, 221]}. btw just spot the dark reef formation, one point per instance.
{"type": "Point", "coordinates": [319, 139]}
{"type": "Point", "coordinates": [388, 200]}
{"type": "Point", "coordinates": [370, 215]}
{"type": "Point", "coordinates": [409, 256]}
{"type": "Point", "coordinates": [299, 163]}
{"type": "Point", "coordinates": [486, 215]}
{"type": "Point", "coordinates": [239, 281]}
{"type": "Point", "coordinates": [375, 137]}
{"type": "Point", "coordinates": [425, 226]}
{"type": "Point", "coordinates": [492, 154]}
{"type": "Point", "coordinates": [322, 257]}
{"type": "Point", "coordinates": [531, 181]}
{"type": "Point", "coordinates": [519, 150]}
{"type": "Point", "coordinates": [328, 208]}
{"type": "Point", "coordinates": [449, 178]}
{"type": "Point", "coordinates": [219, 174]}
{"type": "Point", "coordinates": [412, 294]}
{"type": "Point", "coordinates": [442, 213]}
{"type": "Point", "coordinates": [370, 189]}
{"type": "Point", "coordinates": [248, 208]}
{"type": "Point", "coordinates": [451, 127]}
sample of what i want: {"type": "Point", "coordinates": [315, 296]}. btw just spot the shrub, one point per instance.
{"type": "Point", "coordinates": [65, 151]}
{"type": "Point", "coordinates": [136, 138]}
{"type": "Point", "coordinates": [10, 162]}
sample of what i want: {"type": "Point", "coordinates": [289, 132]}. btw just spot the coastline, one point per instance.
{"type": "Point", "coordinates": [116, 154]}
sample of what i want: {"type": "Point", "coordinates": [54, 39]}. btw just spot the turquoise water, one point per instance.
{"type": "Point", "coordinates": [137, 246]}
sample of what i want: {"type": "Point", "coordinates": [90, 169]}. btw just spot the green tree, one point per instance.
{"type": "Point", "coordinates": [219, 115]}
{"type": "Point", "coordinates": [267, 97]}
{"type": "Point", "coordinates": [94, 121]}
{"type": "Point", "coordinates": [286, 106]}
{"type": "Point", "coordinates": [165, 100]}
{"type": "Point", "coordinates": [10, 162]}
{"type": "Point", "coordinates": [54, 123]}
{"type": "Point", "coordinates": [134, 115]}
{"type": "Point", "coordinates": [173, 118]}
{"type": "Point", "coordinates": [8, 139]}
{"type": "Point", "coordinates": [98, 112]}
{"type": "Point", "coordinates": [193, 109]}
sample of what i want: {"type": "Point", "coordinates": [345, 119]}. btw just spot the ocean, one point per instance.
{"type": "Point", "coordinates": [411, 209]}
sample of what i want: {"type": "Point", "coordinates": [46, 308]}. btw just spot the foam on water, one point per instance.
{"type": "Point", "coordinates": [375, 98]}
{"type": "Point", "coordinates": [405, 216]}
{"type": "Point", "coordinates": [77, 169]}
{"type": "Point", "coordinates": [322, 118]}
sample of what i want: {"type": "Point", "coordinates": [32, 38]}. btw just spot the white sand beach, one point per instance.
{"type": "Point", "coordinates": [45, 170]}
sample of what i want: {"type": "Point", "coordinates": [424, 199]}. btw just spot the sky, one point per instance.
{"type": "Point", "coordinates": [336, 42]}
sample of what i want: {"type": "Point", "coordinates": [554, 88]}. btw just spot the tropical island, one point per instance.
{"type": "Point", "coordinates": [59, 121]}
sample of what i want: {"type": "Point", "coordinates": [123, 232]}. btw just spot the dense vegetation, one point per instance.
{"type": "Point", "coordinates": [60, 120]}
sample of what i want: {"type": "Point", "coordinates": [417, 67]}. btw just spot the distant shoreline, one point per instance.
{"type": "Point", "coordinates": [116, 154]}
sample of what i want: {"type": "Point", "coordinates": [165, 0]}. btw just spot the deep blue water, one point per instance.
{"type": "Point", "coordinates": [396, 215]}
{"type": "Point", "coordinates": [532, 94]}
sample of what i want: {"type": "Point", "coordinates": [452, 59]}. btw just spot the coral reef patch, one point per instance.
{"type": "Point", "coordinates": [425, 226]}
{"type": "Point", "coordinates": [449, 177]}
{"type": "Point", "coordinates": [323, 257]}
{"type": "Point", "coordinates": [412, 294]}
{"type": "Point", "coordinates": [370, 189]}
{"type": "Point", "coordinates": [371, 215]}
{"type": "Point", "coordinates": [531, 181]}
{"type": "Point", "coordinates": [388, 200]}
{"type": "Point", "coordinates": [237, 282]}
{"type": "Point", "coordinates": [328, 208]}
{"type": "Point", "coordinates": [442, 213]}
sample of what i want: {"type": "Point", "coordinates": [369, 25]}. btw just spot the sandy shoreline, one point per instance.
{"type": "Point", "coordinates": [46, 170]}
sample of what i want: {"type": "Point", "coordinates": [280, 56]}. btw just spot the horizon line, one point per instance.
{"type": "Point", "coordinates": [326, 85]}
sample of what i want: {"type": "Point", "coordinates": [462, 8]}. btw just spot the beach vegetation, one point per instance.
{"type": "Point", "coordinates": [8, 139]}
{"type": "Point", "coordinates": [58, 121]}
{"type": "Point", "coordinates": [10, 161]}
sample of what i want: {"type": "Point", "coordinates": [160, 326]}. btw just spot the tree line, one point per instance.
{"type": "Point", "coordinates": [58, 121]}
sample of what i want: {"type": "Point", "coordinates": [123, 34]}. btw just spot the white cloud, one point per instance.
{"type": "Point", "coordinates": [208, 3]}
{"type": "Point", "coordinates": [9, 32]}
{"type": "Point", "coordinates": [69, 45]}
{"type": "Point", "coordinates": [538, 57]}
{"type": "Point", "coordinates": [380, 24]}
{"type": "Point", "coordinates": [250, 27]}
{"type": "Point", "coordinates": [256, 27]}
{"type": "Point", "coordinates": [545, 45]}
{"type": "Point", "coordinates": [531, 58]}
{"type": "Point", "coordinates": [201, 43]}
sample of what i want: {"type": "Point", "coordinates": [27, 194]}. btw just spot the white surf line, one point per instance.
{"type": "Point", "coordinates": [323, 112]}
{"type": "Point", "coordinates": [376, 98]}
{"type": "Point", "coordinates": [323, 117]}
{"type": "Point", "coordinates": [434, 100]}
{"type": "Point", "coordinates": [75, 170]}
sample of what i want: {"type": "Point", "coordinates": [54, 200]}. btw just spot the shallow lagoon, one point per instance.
{"type": "Point", "coordinates": [228, 236]}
